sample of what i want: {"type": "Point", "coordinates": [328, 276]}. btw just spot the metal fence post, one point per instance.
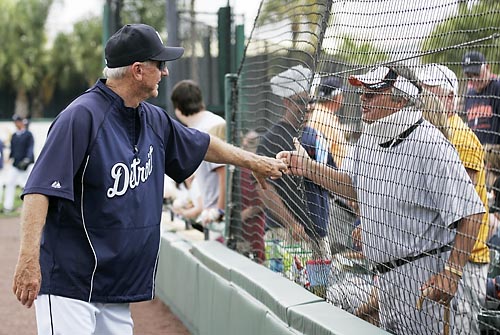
{"type": "Point", "coordinates": [230, 107]}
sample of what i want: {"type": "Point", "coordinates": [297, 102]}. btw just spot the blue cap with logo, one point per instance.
{"type": "Point", "coordinates": [472, 62]}
{"type": "Point", "coordinates": [137, 43]}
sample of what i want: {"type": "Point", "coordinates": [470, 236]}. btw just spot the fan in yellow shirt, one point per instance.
{"type": "Point", "coordinates": [441, 81]}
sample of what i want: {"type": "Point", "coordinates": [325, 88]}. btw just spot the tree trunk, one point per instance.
{"type": "Point", "coordinates": [22, 104]}
{"type": "Point", "coordinates": [37, 108]}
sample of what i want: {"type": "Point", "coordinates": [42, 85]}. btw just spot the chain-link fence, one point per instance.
{"type": "Point", "coordinates": [384, 216]}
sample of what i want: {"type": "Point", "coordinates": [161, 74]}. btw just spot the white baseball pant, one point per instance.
{"type": "Point", "coordinates": [56, 315]}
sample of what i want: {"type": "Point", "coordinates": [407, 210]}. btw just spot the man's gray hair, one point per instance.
{"type": "Point", "coordinates": [115, 73]}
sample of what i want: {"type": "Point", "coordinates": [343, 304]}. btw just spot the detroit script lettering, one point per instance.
{"type": "Point", "coordinates": [126, 177]}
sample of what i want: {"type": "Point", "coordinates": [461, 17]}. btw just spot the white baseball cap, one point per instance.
{"type": "Point", "coordinates": [382, 78]}
{"type": "Point", "coordinates": [291, 82]}
{"type": "Point", "coordinates": [438, 75]}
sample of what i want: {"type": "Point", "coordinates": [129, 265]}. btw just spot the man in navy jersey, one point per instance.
{"type": "Point", "coordinates": [482, 101]}
{"type": "Point", "coordinates": [92, 205]}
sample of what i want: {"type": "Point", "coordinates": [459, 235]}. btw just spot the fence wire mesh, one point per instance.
{"type": "Point", "coordinates": [389, 222]}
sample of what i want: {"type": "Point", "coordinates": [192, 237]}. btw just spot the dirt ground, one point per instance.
{"type": "Point", "coordinates": [150, 318]}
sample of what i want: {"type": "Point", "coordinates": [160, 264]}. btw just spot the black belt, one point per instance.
{"type": "Point", "coordinates": [388, 266]}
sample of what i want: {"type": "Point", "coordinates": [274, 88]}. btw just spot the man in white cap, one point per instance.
{"type": "Point", "coordinates": [420, 213]}
{"type": "Point", "coordinates": [441, 81]}
{"type": "Point", "coordinates": [289, 203]}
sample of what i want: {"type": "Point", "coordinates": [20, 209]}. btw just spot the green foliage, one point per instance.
{"type": "Point", "coordinates": [150, 12]}
{"type": "Point", "coordinates": [35, 69]}
{"type": "Point", "coordinates": [480, 21]}
{"type": "Point", "coordinates": [304, 16]}
{"type": "Point", "coordinates": [87, 49]}
{"type": "Point", "coordinates": [23, 49]}
{"type": "Point", "coordinates": [62, 62]}
{"type": "Point", "coordinates": [277, 10]}
{"type": "Point", "coordinates": [24, 42]}
{"type": "Point", "coordinates": [78, 56]}
{"type": "Point", "coordinates": [5, 15]}
{"type": "Point", "coordinates": [360, 53]}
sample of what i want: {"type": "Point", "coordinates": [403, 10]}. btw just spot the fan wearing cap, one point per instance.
{"type": "Point", "coordinates": [286, 207]}
{"type": "Point", "coordinates": [440, 81]}
{"type": "Point", "coordinates": [482, 101]}
{"type": "Point", "coordinates": [419, 212]}
{"type": "Point", "coordinates": [324, 119]}
{"type": "Point", "coordinates": [329, 100]}
{"type": "Point", "coordinates": [93, 202]}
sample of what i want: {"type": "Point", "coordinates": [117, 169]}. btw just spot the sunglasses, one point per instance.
{"type": "Point", "coordinates": [161, 65]}
{"type": "Point", "coordinates": [371, 94]}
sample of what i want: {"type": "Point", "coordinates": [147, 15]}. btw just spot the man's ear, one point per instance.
{"type": "Point", "coordinates": [137, 70]}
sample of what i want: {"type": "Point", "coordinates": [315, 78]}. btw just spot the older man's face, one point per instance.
{"type": "Point", "coordinates": [376, 105]}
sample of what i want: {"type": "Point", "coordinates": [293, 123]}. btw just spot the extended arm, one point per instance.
{"type": "Point", "coordinates": [27, 276]}
{"type": "Point", "coordinates": [300, 164]}
{"type": "Point", "coordinates": [221, 200]}
{"type": "Point", "coordinates": [262, 167]}
{"type": "Point", "coordinates": [443, 286]}
{"type": "Point", "coordinates": [275, 205]}
{"type": "Point", "coordinates": [467, 233]}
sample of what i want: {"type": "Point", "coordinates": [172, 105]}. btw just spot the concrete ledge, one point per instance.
{"type": "Point", "coordinates": [176, 280]}
{"type": "Point", "coordinates": [324, 318]}
{"type": "Point", "coordinates": [268, 287]}
{"type": "Point", "coordinates": [215, 290]}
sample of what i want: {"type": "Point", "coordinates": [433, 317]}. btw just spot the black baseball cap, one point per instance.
{"type": "Point", "coordinates": [329, 87]}
{"type": "Point", "coordinates": [137, 43]}
{"type": "Point", "coordinates": [472, 62]}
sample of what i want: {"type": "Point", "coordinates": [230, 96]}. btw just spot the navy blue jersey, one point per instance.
{"type": "Point", "coordinates": [21, 147]}
{"type": "Point", "coordinates": [483, 112]}
{"type": "Point", "coordinates": [102, 167]}
{"type": "Point", "coordinates": [310, 207]}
